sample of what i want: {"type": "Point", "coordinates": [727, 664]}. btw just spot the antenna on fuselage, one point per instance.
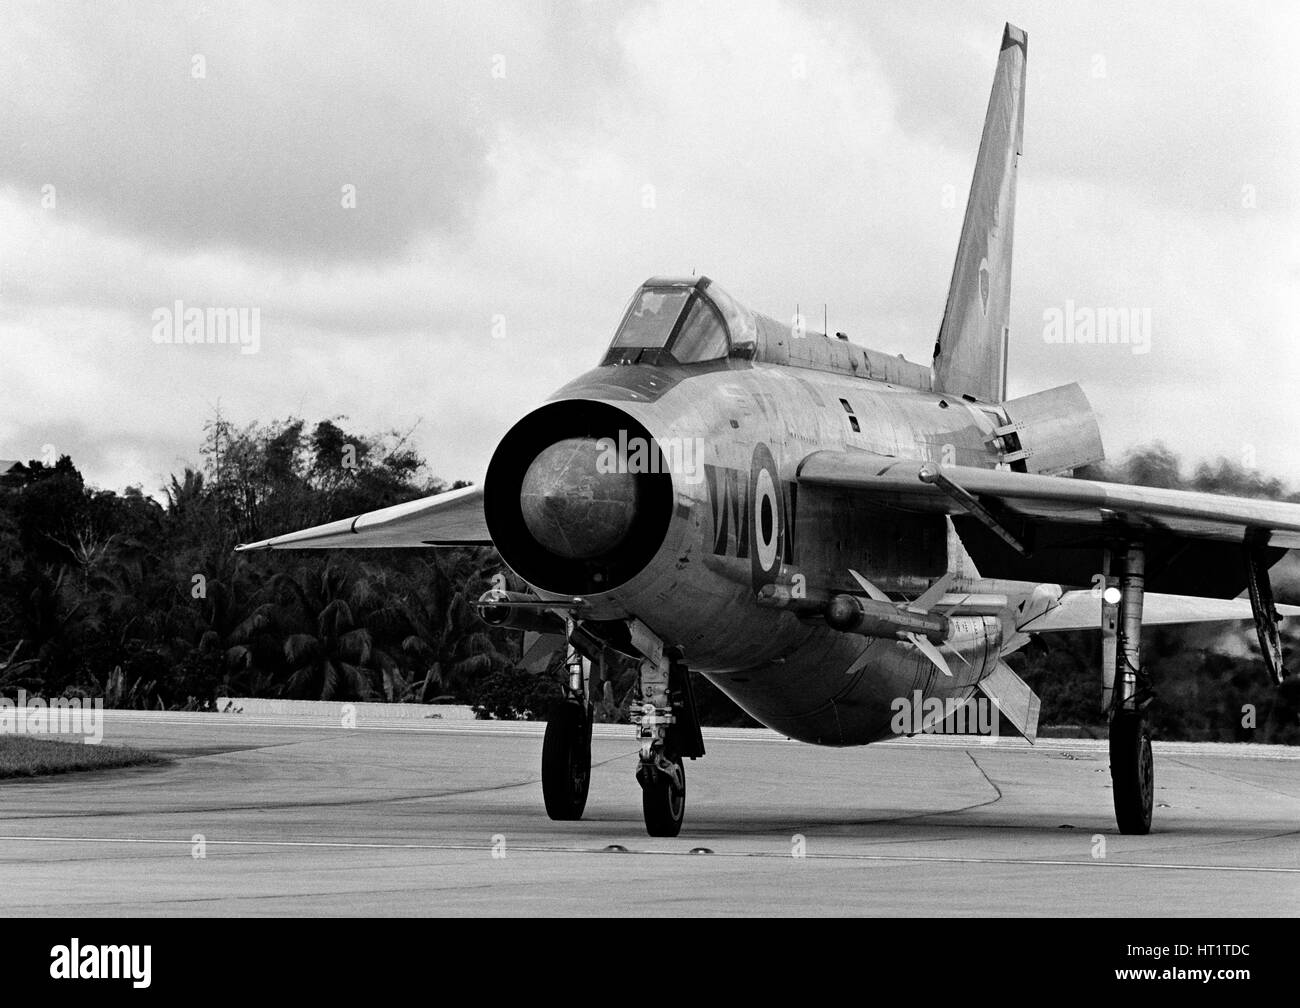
{"type": "Point", "coordinates": [826, 325]}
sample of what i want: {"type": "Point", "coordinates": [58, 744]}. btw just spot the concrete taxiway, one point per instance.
{"type": "Point", "coordinates": [298, 815]}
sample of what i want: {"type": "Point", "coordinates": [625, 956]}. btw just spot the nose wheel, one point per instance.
{"type": "Point", "coordinates": [663, 794]}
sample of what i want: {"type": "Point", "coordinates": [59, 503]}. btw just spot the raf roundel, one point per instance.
{"type": "Point", "coordinates": [766, 520]}
{"type": "Point", "coordinates": [765, 527]}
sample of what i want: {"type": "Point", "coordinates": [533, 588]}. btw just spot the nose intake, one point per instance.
{"type": "Point", "coordinates": [567, 511]}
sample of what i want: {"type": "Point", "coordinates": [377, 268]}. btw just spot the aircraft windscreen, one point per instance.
{"type": "Point", "coordinates": [651, 318]}
{"type": "Point", "coordinates": [702, 338]}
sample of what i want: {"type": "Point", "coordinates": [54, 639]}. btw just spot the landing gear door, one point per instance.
{"type": "Point", "coordinates": [1265, 613]}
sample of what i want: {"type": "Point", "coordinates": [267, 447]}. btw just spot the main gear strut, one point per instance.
{"type": "Point", "coordinates": [1126, 688]}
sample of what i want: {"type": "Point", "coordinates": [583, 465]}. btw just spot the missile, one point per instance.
{"type": "Point", "coordinates": [873, 618]}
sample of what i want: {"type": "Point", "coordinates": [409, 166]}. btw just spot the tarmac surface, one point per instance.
{"type": "Point", "coordinates": [299, 816]}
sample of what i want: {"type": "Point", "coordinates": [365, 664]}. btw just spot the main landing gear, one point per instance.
{"type": "Point", "coordinates": [566, 749]}
{"type": "Point", "coordinates": [1127, 690]}
{"type": "Point", "coordinates": [566, 761]}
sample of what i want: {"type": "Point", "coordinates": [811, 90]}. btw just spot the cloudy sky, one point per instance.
{"type": "Point", "coordinates": [441, 209]}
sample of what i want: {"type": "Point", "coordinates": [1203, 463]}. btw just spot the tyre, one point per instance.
{"type": "Point", "coordinates": [1132, 773]}
{"type": "Point", "coordinates": [663, 802]}
{"type": "Point", "coordinates": [566, 762]}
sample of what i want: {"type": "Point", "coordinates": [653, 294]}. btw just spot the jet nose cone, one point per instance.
{"type": "Point", "coordinates": [574, 508]}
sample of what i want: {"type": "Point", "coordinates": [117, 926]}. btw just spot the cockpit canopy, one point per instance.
{"type": "Point", "coordinates": [682, 321]}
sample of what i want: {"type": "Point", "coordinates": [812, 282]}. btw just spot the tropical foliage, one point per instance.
{"type": "Point", "coordinates": [144, 602]}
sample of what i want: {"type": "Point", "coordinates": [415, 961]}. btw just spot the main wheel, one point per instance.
{"type": "Point", "coordinates": [566, 762]}
{"type": "Point", "coordinates": [662, 800]}
{"type": "Point", "coordinates": [1132, 773]}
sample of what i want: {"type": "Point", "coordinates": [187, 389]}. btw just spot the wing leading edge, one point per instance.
{"type": "Point", "coordinates": [454, 518]}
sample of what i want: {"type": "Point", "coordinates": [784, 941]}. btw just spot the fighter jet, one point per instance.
{"type": "Point", "coordinates": [820, 529]}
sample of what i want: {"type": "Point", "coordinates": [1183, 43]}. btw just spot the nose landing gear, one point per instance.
{"type": "Point", "coordinates": [669, 730]}
{"type": "Point", "coordinates": [663, 794]}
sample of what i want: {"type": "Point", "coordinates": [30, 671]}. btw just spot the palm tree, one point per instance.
{"type": "Point", "coordinates": [447, 639]}
{"type": "Point", "coordinates": [249, 650]}
{"type": "Point", "coordinates": [339, 661]}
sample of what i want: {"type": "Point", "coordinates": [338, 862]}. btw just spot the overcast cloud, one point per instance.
{"type": "Point", "coordinates": [500, 156]}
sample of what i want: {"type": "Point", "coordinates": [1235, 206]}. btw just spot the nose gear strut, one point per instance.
{"type": "Point", "coordinates": [668, 729]}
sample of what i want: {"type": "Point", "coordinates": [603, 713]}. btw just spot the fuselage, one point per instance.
{"type": "Point", "coordinates": [701, 590]}
{"type": "Point", "coordinates": [732, 435]}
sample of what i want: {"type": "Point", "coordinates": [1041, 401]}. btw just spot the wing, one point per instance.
{"type": "Point", "coordinates": [454, 518]}
{"type": "Point", "coordinates": [1048, 528]}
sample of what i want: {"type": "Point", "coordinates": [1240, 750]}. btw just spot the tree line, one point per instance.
{"type": "Point", "coordinates": [146, 604]}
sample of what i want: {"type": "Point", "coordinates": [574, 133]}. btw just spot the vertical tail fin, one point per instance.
{"type": "Point", "coordinates": [970, 355]}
